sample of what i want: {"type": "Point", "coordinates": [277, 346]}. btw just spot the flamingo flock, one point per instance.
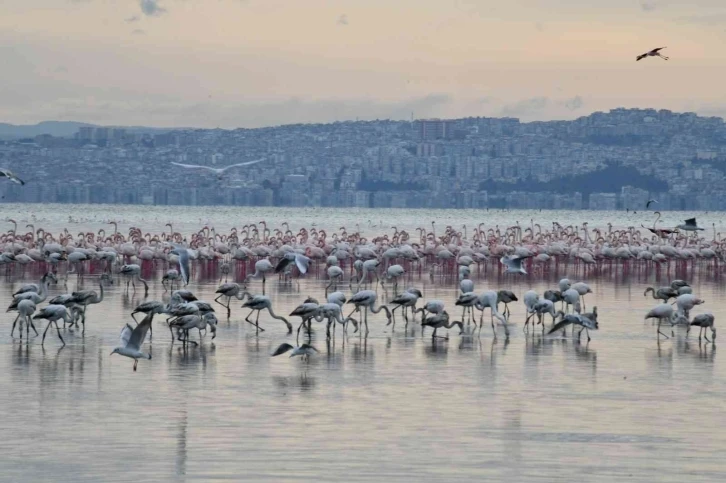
{"type": "Point", "coordinates": [254, 253]}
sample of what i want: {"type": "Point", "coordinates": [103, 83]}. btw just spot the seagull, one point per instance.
{"type": "Point", "coordinates": [586, 323]}
{"type": "Point", "coordinates": [689, 225]}
{"type": "Point", "coordinates": [11, 176]}
{"type": "Point", "coordinates": [301, 261]}
{"type": "Point", "coordinates": [514, 264]}
{"type": "Point", "coordinates": [131, 340]}
{"type": "Point", "coordinates": [305, 350]}
{"type": "Point", "coordinates": [652, 53]}
{"type": "Point", "coordinates": [647, 205]}
{"type": "Point", "coordinates": [218, 171]}
{"type": "Point", "coordinates": [183, 262]}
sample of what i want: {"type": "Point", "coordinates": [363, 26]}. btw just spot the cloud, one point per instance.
{"type": "Point", "coordinates": [649, 5]}
{"type": "Point", "coordinates": [525, 107]}
{"type": "Point", "coordinates": [573, 104]}
{"type": "Point", "coordinates": [132, 19]}
{"type": "Point", "coordinates": [714, 19]}
{"type": "Point", "coordinates": [151, 8]}
{"type": "Point", "coordinates": [342, 20]}
{"type": "Point", "coordinates": [138, 32]}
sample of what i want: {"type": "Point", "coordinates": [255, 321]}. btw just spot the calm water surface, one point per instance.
{"type": "Point", "coordinates": [393, 407]}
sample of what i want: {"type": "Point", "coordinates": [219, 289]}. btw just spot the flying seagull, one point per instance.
{"type": "Point", "coordinates": [689, 225]}
{"type": "Point", "coordinates": [11, 176]}
{"type": "Point", "coordinates": [218, 171]}
{"type": "Point", "coordinates": [305, 350]}
{"type": "Point", "coordinates": [183, 254]}
{"type": "Point", "coordinates": [514, 264]}
{"type": "Point", "coordinates": [652, 53]}
{"type": "Point", "coordinates": [132, 338]}
{"type": "Point", "coordinates": [301, 261]}
{"type": "Point", "coordinates": [650, 202]}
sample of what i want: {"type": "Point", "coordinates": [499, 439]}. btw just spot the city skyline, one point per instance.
{"type": "Point", "coordinates": [236, 63]}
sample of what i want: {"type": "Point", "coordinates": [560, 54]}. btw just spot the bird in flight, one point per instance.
{"type": "Point", "coordinates": [652, 53]}
{"type": "Point", "coordinates": [650, 202]}
{"type": "Point", "coordinates": [689, 225]}
{"type": "Point", "coordinates": [218, 171]}
{"type": "Point", "coordinates": [514, 264]}
{"type": "Point", "coordinates": [11, 176]}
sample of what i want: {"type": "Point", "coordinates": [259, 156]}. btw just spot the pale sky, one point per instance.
{"type": "Point", "coordinates": [248, 63]}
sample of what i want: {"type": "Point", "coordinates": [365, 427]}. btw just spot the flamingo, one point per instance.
{"type": "Point", "coordinates": [660, 312]}
{"type": "Point", "coordinates": [26, 308]}
{"type": "Point", "coordinates": [506, 297]}
{"type": "Point", "coordinates": [52, 313]}
{"type": "Point", "coordinates": [663, 293]}
{"type": "Point", "coordinates": [132, 272]}
{"type": "Point", "coordinates": [703, 321]}
{"type": "Point", "coordinates": [230, 290]}
{"type": "Point", "coordinates": [366, 299]}
{"type": "Point", "coordinates": [262, 267]}
{"type": "Point", "coordinates": [259, 303]}
{"type": "Point", "coordinates": [440, 321]}
{"type": "Point", "coordinates": [406, 299]}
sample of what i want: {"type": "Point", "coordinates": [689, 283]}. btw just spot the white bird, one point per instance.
{"type": "Point", "coordinates": [305, 350]}
{"type": "Point", "coordinates": [514, 264]}
{"type": "Point", "coordinates": [183, 255]}
{"type": "Point", "coordinates": [686, 302]}
{"type": "Point", "coordinates": [582, 289]}
{"type": "Point", "coordinates": [218, 171]}
{"type": "Point", "coordinates": [301, 262]}
{"type": "Point", "coordinates": [586, 323]}
{"type": "Point", "coordinates": [132, 338]}
{"type": "Point", "coordinates": [11, 176]}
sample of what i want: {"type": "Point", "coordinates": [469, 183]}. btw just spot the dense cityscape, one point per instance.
{"type": "Point", "coordinates": [604, 161]}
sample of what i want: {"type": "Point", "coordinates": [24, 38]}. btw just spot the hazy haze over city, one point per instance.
{"type": "Point", "coordinates": [231, 63]}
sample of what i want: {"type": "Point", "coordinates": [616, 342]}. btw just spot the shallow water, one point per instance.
{"type": "Point", "coordinates": [187, 219]}
{"type": "Point", "coordinates": [393, 407]}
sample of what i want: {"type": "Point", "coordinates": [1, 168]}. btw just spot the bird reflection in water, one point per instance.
{"type": "Point", "coordinates": [705, 351]}
{"type": "Point", "coordinates": [301, 382]}
{"type": "Point", "coordinates": [180, 464]}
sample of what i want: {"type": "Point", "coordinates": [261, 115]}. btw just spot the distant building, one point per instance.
{"type": "Point", "coordinates": [434, 129]}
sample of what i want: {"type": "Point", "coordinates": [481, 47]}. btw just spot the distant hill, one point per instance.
{"type": "Point", "coordinates": [608, 180]}
{"type": "Point", "coordinates": [54, 128]}
{"type": "Point", "coordinates": [65, 129]}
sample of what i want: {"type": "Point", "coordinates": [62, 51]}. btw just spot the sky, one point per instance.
{"type": "Point", "coordinates": [250, 63]}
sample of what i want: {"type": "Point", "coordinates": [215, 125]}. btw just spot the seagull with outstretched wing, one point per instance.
{"type": "Point", "coordinates": [514, 264]}
{"type": "Point", "coordinates": [132, 338]}
{"type": "Point", "coordinates": [305, 350]}
{"type": "Point", "coordinates": [218, 171]}
{"type": "Point", "coordinates": [650, 202]}
{"type": "Point", "coordinates": [183, 254]}
{"type": "Point", "coordinates": [301, 261]}
{"type": "Point", "coordinates": [652, 53]}
{"type": "Point", "coordinates": [11, 176]}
